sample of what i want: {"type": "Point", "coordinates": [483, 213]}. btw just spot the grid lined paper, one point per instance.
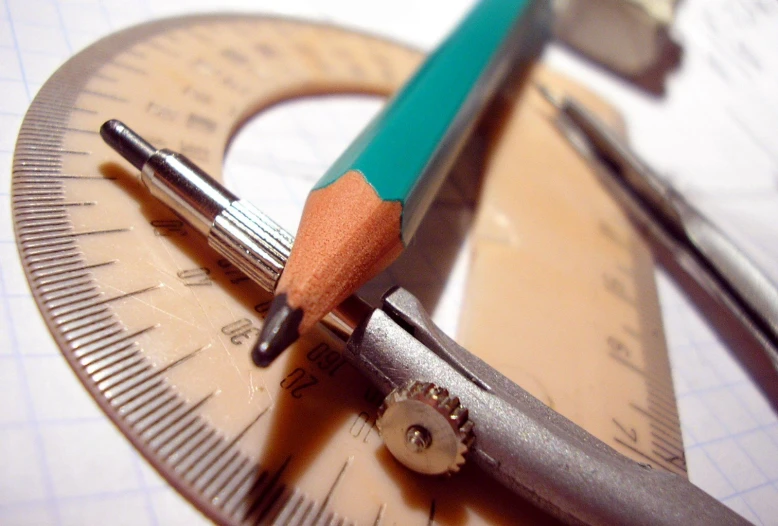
{"type": "Point", "coordinates": [62, 462]}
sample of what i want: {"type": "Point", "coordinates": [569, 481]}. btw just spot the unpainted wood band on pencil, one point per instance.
{"type": "Point", "coordinates": [354, 236]}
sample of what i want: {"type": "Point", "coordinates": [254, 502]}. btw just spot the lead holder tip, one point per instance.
{"type": "Point", "coordinates": [280, 330]}
{"type": "Point", "coordinates": [127, 143]}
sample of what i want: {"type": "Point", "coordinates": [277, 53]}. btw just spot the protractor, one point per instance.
{"type": "Point", "coordinates": [159, 328]}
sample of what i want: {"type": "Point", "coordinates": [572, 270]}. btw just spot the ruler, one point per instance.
{"type": "Point", "coordinates": [585, 330]}
{"type": "Point", "coordinates": [158, 327]}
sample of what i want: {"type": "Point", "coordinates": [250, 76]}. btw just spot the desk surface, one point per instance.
{"type": "Point", "coordinates": [712, 133]}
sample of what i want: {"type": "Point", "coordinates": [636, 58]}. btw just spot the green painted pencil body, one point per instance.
{"type": "Point", "coordinates": [406, 150]}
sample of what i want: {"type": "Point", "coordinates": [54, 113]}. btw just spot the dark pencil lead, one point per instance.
{"type": "Point", "coordinates": [129, 144]}
{"type": "Point", "coordinates": [280, 330]}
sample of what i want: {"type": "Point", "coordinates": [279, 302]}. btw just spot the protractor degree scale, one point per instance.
{"type": "Point", "coordinates": [158, 327]}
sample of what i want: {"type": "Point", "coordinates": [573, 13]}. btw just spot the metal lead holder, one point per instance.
{"type": "Point", "coordinates": [247, 237]}
{"type": "Point", "coordinates": [450, 401]}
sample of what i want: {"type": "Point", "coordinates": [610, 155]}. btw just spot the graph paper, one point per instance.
{"type": "Point", "coordinates": [62, 462]}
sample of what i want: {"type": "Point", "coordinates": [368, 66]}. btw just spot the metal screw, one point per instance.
{"type": "Point", "coordinates": [418, 438]}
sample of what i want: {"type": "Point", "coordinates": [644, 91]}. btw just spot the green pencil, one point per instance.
{"type": "Point", "coordinates": [367, 206]}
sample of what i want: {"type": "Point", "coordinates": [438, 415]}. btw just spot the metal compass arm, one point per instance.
{"type": "Point", "coordinates": [531, 449]}
{"type": "Point", "coordinates": [442, 401]}
{"type": "Point", "coordinates": [709, 257]}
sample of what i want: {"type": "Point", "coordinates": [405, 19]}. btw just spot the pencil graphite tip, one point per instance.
{"type": "Point", "coordinates": [280, 330]}
{"type": "Point", "coordinates": [127, 143]}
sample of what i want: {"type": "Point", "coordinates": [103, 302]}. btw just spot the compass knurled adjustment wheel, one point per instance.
{"type": "Point", "coordinates": [425, 428]}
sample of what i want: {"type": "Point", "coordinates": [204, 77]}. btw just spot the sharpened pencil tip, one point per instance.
{"type": "Point", "coordinates": [280, 330]}
{"type": "Point", "coordinates": [127, 143]}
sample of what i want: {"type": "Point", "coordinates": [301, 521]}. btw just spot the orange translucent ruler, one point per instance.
{"type": "Point", "coordinates": [561, 294]}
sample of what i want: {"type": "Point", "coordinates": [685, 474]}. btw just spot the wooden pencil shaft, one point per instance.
{"type": "Point", "coordinates": [330, 260]}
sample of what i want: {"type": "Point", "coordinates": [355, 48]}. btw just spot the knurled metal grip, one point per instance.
{"type": "Point", "coordinates": [252, 242]}
{"type": "Point", "coordinates": [248, 238]}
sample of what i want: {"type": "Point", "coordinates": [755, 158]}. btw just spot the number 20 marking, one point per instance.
{"type": "Point", "coordinates": [298, 380]}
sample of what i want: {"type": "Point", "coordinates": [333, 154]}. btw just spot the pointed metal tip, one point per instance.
{"type": "Point", "coordinates": [280, 330]}
{"type": "Point", "coordinates": [127, 143]}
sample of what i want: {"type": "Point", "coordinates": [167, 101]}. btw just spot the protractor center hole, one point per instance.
{"type": "Point", "coordinates": [277, 156]}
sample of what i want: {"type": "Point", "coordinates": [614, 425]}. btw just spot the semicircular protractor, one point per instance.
{"type": "Point", "coordinates": [159, 328]}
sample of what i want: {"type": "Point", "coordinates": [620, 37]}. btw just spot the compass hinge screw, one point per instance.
{"type": "Point", "coordinates": [425, 428]}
